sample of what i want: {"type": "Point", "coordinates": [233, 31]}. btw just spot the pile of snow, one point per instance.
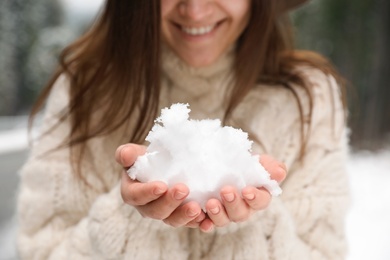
{"type": "Point", "coordinates": [200, 153]}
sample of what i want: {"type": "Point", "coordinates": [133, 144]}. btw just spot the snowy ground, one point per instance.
{"type": "Point", "coordinates": [368, 225]}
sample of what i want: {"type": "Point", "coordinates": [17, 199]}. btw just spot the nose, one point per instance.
{"type": "Point", "coordinates": [196, 10]}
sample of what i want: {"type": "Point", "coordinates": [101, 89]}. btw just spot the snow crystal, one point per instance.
{"type": "Point", "coordinates": [201, 154]}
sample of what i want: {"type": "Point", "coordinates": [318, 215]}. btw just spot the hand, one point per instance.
{"type": "Point", "coordinates": [236, 207]}
{"type": "Point", "coordinates": [155, 200]}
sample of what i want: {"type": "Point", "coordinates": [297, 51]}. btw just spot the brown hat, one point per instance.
{"type": "Point", "coordinates": [286, 5]}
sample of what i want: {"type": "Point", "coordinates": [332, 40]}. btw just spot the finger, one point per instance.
{"type": "Point", "coordinates": [206, 225]}
{"type": "Point", "coordinates": [257, 199]}
{"type": "Point", "coordinates": [127, 154]}
{"type": "Point", "coordinates": [136, 193]}
{"type": "Point", "coordinates": [184, 214]}
{"type": "Point", "coordinates": [277, 170]}
{"type": "Point", "coordinates": [236, 208]}
{"type": "Point", "coordinates": [216, 212]}
{"type": "Point", "coordinates": [164, 206]}
{"type": "Point", "coordinates": [196, 222]}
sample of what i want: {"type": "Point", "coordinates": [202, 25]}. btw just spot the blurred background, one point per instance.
{"type": "Point", "coordinates": [354, 34]}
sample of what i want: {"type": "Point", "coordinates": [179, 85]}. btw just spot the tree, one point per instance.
{"type": "Point", "coordinates": [354, 34]}
{"type": "Point", "coordinates": [23, 26]}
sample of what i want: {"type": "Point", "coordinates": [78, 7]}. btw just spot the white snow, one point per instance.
{"type": "Point", "coordinates": [8, 240]}
{"type": "Point", "coordinates": [80, 13]}
{"type": "Point", "coordinates": [14, 135]}
{"type": "Point", "coordinates": [85, 7]}
{"type": "Point", "coordinates": [368, 225]}
{"type": "Point", "coordinates": [13, 140]}
{"type": "Point", "coordinates": [201, 154]}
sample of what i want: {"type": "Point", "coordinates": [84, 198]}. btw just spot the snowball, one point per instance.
{"type": "Point", "coordinates": [201, 154]}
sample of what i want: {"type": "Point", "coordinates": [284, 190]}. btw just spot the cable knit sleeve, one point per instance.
{"type": "Point", "coordinates": [307, 220]}
{"type": "Point", "coordinates": [62, 217]}
{"type": "Point", "coordinates": [309, 216]}
{"type": "Point", "coordinates": [316, 192]}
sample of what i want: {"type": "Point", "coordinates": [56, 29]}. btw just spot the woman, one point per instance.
{"type": "Point", "coordinates": [231, 60]}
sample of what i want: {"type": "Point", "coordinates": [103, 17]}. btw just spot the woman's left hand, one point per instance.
{"type": "Point", "coordinates": [236, 207]}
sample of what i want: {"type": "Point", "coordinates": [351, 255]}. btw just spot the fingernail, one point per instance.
{"type": "Point", "coordinates": [121, 148]}
{"type": "Point", "coordinates": [282, 174]}
{"type": "Point", "coordinates": [229, 197]}
{"type": "Point", "coordinates": [180, 195]}
{"type": "Point", "coordinates": [281, 170]}
{"type": "Point", "coordinates": [210, 229]}
{"type": "Point", "coordinates": [284, 166]}
{"type": "Point", "coordinates": [215, 210]}
{"type": "Point", "coordinates": [159, 191]}
{"type": "Point", "coordinates": [192, 213]}
{"type": "Point", "coordinates": [200, 218]}
{"type": "Point", "coordinates": [249, 196]}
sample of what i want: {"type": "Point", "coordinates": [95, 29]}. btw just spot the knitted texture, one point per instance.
{"type": "Point", "coordinates": [61, 217]}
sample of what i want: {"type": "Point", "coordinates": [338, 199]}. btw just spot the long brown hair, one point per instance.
{"type": "Point", "coordinates": [118, 62]}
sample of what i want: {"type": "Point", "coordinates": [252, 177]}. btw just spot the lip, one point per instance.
{"type": "Point", "coordinates": [200, 30]}
{"type": "Point", "coordinates": [190, 37]}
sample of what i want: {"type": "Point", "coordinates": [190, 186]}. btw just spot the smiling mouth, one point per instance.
{"type": "Point", "coordinates": [200, 30]}
{"type": "Point", "coordinates": [195, 31]}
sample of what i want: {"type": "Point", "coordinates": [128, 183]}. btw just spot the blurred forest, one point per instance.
{"type": "Point", "coordinates": [354, 34]}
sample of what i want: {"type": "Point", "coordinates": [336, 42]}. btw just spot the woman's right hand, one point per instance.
{"type": "Point", "coordinates": [154, 199]}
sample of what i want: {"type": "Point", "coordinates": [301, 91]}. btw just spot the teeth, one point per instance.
{"type": "Point", "coordinates": [198, 30]}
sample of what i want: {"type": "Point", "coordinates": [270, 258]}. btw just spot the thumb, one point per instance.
{"type": "Point", "coordinates": [127, 154]}
{"type": "Point", "coordinates": [276, 169]}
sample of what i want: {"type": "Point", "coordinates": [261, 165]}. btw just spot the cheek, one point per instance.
{"type": "Point", "coordinates": [167, 8]}
{"type": "Point", "coordinates": [240, 11]}
{"type": "Point", "coordinates": [164, 9]}
{"type": "Point", "coordinates": [164, 31]}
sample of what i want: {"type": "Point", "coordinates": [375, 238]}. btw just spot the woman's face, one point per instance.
{"type": "Point", "coordinates": [200, 31]}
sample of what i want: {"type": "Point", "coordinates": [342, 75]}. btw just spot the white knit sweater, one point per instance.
{"type": "Point", "coordinates": [60, 217]}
